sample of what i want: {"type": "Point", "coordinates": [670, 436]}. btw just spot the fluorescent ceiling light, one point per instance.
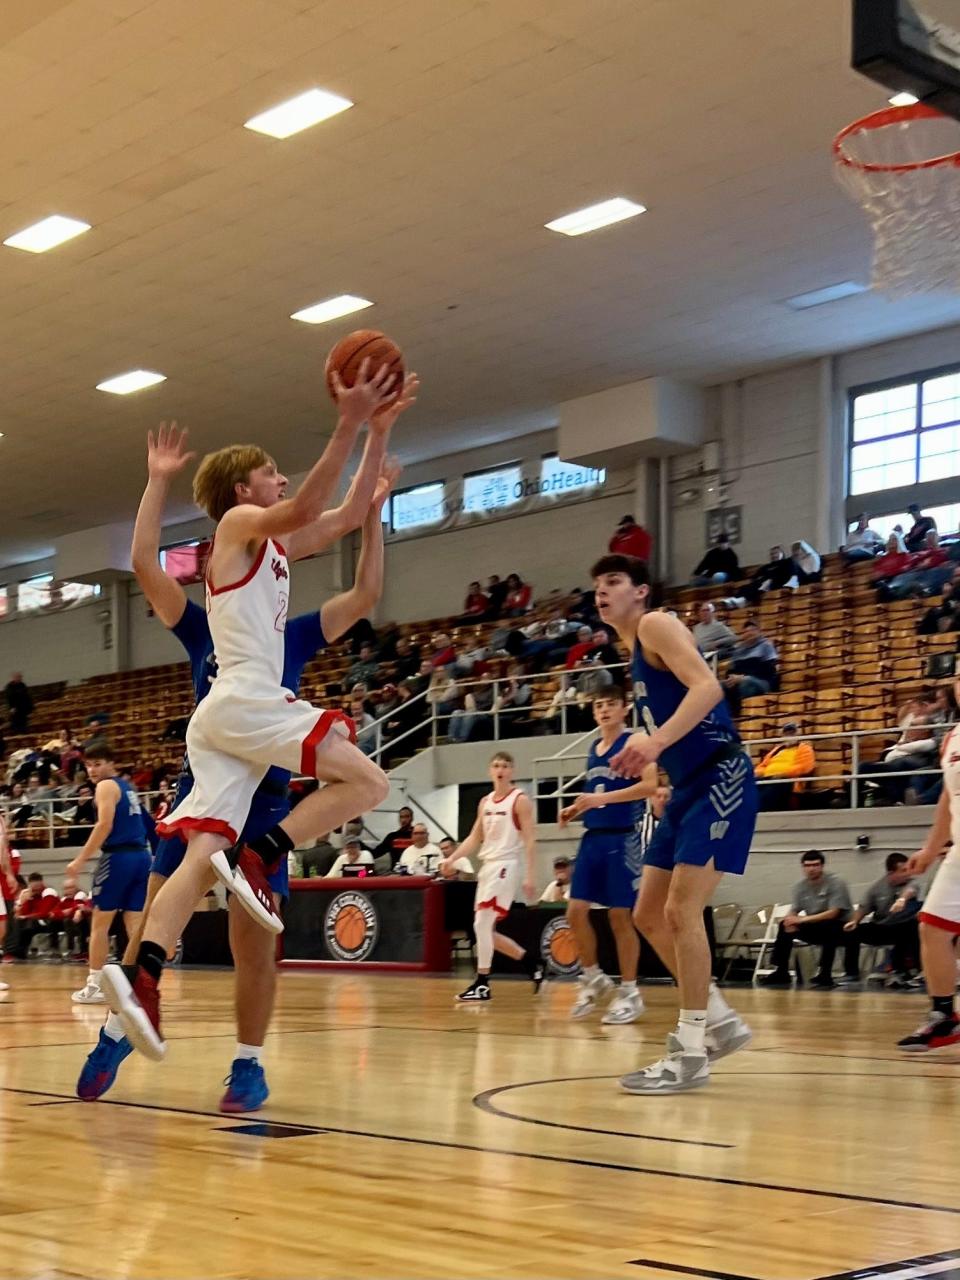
{"type": "Point", "coordinates": [597, 215]}
{"type": "Point", "coordinates": [832, 293]}
{"type": "Point", "coordinates": [298, 113]}
{"type": "Point", "coordinates": [903, 100]}
{"type": "Point", "coordinates": [47, 234]}
{"type": "Point", "coordinates": [331, 309]}
{"type": "Point", "coordinates": [136, 380]}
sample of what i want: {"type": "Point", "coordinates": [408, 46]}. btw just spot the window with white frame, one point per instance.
{"type": "Point", "coordinates": [558, 477]}
{"type": "Point", "coordinates": [490, 490]}
{"type": "Point", "coordinates": [34, 594]}
{"type": "Point", "coordinates": [905, 433]}
{"type": "Point", "coordinates": [947, 520]}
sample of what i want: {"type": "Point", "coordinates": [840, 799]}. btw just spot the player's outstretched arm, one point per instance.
{"type": "Point", "coordinates": [340, 612]}
{"type": "Point", "coordinates": [248, 523]}
{"type": "Point", "coordinates": [166, 457]}
{"type": "Point", "coordinates": [352, 512]}
{"type": "Point", "coordinates": [106, 797]}
{"type": "Point", "coordinates": [670, 641]}
{"type": "Point", "coordinates": [528, 834]}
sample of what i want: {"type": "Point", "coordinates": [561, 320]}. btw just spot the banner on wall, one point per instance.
{"type": "Point", "coordinates": [513, 489]}
{"type": "Point", "coordinates": [728, 520]}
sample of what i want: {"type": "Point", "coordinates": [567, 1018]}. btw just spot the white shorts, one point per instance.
{"type": "Point", "coordinates": [941, 906]}
{"type": "Point", "coordinates": [497, 886]}
{"type": "Point", "coordinates": [234, 737]}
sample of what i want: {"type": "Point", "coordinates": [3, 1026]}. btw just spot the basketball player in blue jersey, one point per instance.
{"type": "Point", "coordinates": [607, 867]}
{"type": "Point", "coordinates": [252, 947]}
{"type": "Point", "coordinates": [120, 880]}
{"type": "Point", "coordinates": [706, 828]}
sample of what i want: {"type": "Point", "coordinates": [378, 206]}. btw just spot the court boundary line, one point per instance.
{"type": "Point", "coordinates": [543, 1157]}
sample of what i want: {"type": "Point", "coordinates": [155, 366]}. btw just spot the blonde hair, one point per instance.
{"type": "Point", "coordinates": [214, 485]}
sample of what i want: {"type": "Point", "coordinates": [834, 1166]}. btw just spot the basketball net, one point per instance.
{"type": "Point", "coordinates": [902, 166]}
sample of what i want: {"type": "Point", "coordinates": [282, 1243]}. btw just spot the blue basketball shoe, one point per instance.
{"type": "Point", "coordinates": [101, 1067]}
{"type": "Point", "coordinates": [246, 1086]}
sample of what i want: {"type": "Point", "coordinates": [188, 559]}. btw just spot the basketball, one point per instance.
{"type": "Point", "coordinates": [563, 948]}
{"type": "Point", "coordinates": [350, 928]}
{"type": "Point", "coordinates": [364, 344]}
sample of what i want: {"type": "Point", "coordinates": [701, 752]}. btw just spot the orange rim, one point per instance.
{"type": "Point", "coordinates": [882, 120]}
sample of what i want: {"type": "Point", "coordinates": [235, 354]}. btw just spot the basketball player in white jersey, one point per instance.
{"type": "Point", "coordinates": [249, 721]}
{"type": "Point", "coordinates": [940, 917]}
{"type": "Point", "coordinates": [504, 838]}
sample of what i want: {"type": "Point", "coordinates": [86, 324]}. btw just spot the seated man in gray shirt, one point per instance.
{"type": "Point", "coordinates": [824, 900]}
{"type": "Point", "coordinates": [711, 635]}
{"type": "Point", "coordinates": [893, 902]}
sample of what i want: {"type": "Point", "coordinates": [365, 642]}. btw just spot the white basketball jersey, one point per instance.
{"type": "Point", "coordinates": [951, 781]}
{"type": "Point", "coordinates": [248, 619]}
{"type": "Point", "coordinates": [501, 828]}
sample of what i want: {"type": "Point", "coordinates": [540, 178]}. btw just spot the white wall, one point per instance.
{"type": "Point", "coordinates": [56, 646]}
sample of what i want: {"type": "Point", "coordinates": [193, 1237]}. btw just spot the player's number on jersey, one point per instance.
{"type": "Point", "coordinates": [280, 621]}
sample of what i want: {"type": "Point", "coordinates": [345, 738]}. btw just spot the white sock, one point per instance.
{"type": "Point", "coordinates": [114, 1027]}
{"type": "Point", "coordinates": [717, 1007]}
{"type": "Point", "coordinates": [252, 1051]}
{"type": "Point", "coordinates": [628, 988]}
{"type": "Point", "coordinates": [93, 978]}
{"type": "Point", "coordinates": [591, 971]}
{"type": "Point", "coordinates": [691, 1029]}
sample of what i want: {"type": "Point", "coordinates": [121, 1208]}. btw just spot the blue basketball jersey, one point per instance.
{"type": "Point", "coordinates": [658, 694]}
{"type": "Point", "coordinates": [128, 831]}
{"type": "Point", "coordinates": [600, 779]}
{"type": "Point", "coordinates": [302, 639]}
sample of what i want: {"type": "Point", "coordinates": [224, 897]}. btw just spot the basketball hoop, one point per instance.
{"type": "Point", "coordinates": [902, 166]}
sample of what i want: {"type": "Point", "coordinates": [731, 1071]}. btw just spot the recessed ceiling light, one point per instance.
{"type": "Point", "coordinates": [47, 234]}
{"type": "Point", "coordinates": [136, 380]}
{"type": "Point", "coordinates": [597, 215]}
{"type": "Point", "coordinates": [903, 100]}
{"type": "Point", "coordinates": [831, 293]}
{"type": "Point", "coordinates": [331, 309]}
{"type": "Point", "coordinates": [298, 113]}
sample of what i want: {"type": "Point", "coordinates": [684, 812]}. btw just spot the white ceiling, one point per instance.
{"type": "Point", "coordinates": [475, 122]}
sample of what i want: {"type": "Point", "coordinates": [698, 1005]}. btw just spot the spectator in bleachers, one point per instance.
{"type": "Point", "coordinates": [945, 616]}
{"type": "Point", "coordinates": [452, 867]}
{"type": "Point", "coordinates": [443, 654]}
{"type": "Point", "coordinates": [476, 606]}
{"type": "Point", "coordinates": [472, 722]}
{"type": "Point", "coordinates": [780, 767]}
{"type": "Point", "coordinates": [419, 682]}
{"type": "Point", "coordinates": [388, 702]}
{"type": "Point", "coordinates": [394, 843]}
{"type": "Point", "coordinates": [496, 594]}
{"type": "Point", "coordinates": [916, 748]}
{"type": "Point", "coordinates": [925, 788]}
{"type": "Point", "coordinates": [406, 659]}
{"type": "Point", "coordinates": [19, 703]}
{"type": "Point", "coordinates": [892, 903]}
{"type": "Point", "coordinates": [316, 862]}
{"type": "Point", "coordinates": [807, 562]}
{"type": "Point", "coordinates": [584, 643]}
{"type": "Point", "coordinates": [916, 536]}
{"type": "Point", "coordinates": [469, 661]}
{"type": "Point", "coordinates": [631, 539]}
{"type": "Point", "coordinates": [513, 699]}
{"type": "Point", "coordinates": [925, 573]}
{"type": "Point", "coordinates": [403, 722]}
{"type": "Point", "coordinates": [353, 855]}
{"type": "Point", "coordinates": [37, 911]}
{"type": "Point", "coordinates": [365, 723]}
{"type": "Point", "coordinates": [819, 907]}
{"type": "Point", "coordinates": [779, 572]}
{"type": "Point", "coordinates": [720, 564]}
{"type": "Point", "coordinates": [362, 632]}
{"type": "Point", "coordinates": [364, 670]}
{"type": "Point", "coordinates": [518, 597]}
{"type": "Point", "coordinates": [863, 543]}
{"type": "Point", "coordinates": [754, 668]}
{"type": "Point", "coordinates": [444, 694]}
{"type": "Point", "coordinates": [893, 559]}
{"type": "Point", "coordinates": [558, 890]}
{"type": "Point", "coordinates": [422, 856]}
{"type": "Point", "coordinates": [712, 635]}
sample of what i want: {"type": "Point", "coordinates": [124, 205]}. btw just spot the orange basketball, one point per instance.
{"type": "Point", "coordinates": [364, 344]}
{"type": "Point", "coordinates": [350, 928]}
{"type": "Point", "coordinates": [563, 947]}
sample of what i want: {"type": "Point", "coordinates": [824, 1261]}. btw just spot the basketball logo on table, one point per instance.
{"type": "Point", "coordinates": [351, 926]}
{"type": "Point", "coordinates": [558, 947]}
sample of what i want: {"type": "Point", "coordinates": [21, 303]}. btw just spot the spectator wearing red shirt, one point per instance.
{"type": "Point", "coordinates": [631, 539]}
{"type": "Point", "coordinates": [581, 648]}
{"type": "Point", "coordinates": [476, 605]}
{"type": "Point", "coordinates": [444, 654]}
{"type": "Point", "coordinates": [38, 911]}
{"type": "Point", "coordinates": [517, 600]}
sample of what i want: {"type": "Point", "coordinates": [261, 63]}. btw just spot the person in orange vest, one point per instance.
{"type": "Point", "coordinates": [789, 760]}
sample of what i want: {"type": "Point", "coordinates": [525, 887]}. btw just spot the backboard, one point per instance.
{"type": "Point", "coordinates": [911, 46]}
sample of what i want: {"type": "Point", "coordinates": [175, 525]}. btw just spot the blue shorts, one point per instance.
{"type": "Point", "coordinates": [120, 880]}
{"type": "Point", "coordinates": [607, 868]}
{"type": "Point", "coordinates": [711, 817]}
{"type": "Point", "coordinates": [268, 808]}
